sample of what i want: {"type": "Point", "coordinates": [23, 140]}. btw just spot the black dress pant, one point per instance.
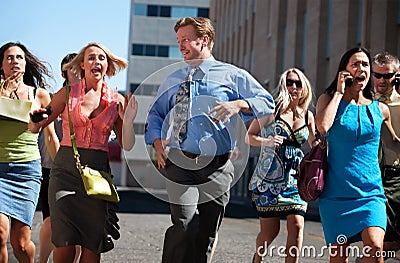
{"type": "Point", "coordinates": [198, 191]}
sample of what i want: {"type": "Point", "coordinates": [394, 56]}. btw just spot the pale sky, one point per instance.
{"type": "Point", "coordinates": [52, 28]}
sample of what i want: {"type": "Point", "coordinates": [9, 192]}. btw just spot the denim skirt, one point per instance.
{"type": "Point", "coordinates": [19, 189]}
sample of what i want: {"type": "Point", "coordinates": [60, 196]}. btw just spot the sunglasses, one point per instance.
{"type": "Point", "coordinates": [290, 82]}
{"type": "Point", "coordinates": [385, 76]}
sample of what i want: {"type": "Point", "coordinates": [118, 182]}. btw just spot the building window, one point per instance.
{"type": "Point", "coordinates": [137, 50]}
{"type": "Point", "coordinates": [360, 22]}
{"type": "Point", "coordinates": [165, 11]}
{"type": "Point", "coordinates": [174, 52]}
{"type": "Point", "coordinates": [162, 51]}
{"type": "Point", "coordinates": [398, 12]}
{"type": "Point", "coordinates": [152, 10]}
{"type": "Point", "coordinates": [328, 31]}
{"type": "Point", "coordinates": [284, 36]}
{"type": "Point", "coordinates": [143, 89]}
{"type": "Point", "coordinates": [150, 50]}
{"type": "Point", "coordinates": [183, 12]}
{"type": "Point", "coordinates": [169, 11]}
{"type": "Point", "coordinates": [202, 12]}
{"type": "Point", "coordinates": [133, 87]}
{"type": "Point", "coordinates": [139, 128]}
{"type": "Point", "coordinates": [140, 9]}
{"type": "Point", "coordinates": [303, 41]}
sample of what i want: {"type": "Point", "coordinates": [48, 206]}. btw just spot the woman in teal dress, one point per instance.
{"type": "Point", "coordinates": [273, 184]}
{"type": "Point", "coordinates": [352, 205]}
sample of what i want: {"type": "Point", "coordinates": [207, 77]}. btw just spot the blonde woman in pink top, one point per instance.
{"type": "Point", "coordinates": [96, 109]}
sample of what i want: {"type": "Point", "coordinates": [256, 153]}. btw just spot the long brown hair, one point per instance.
{"type": "Point", "coordinates": [35, 69]}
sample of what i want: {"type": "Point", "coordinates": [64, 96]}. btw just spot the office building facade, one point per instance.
{"type": "Point", "coordinates": [152, 48]}
{"type": "Point", "coordinates": [268, 36]}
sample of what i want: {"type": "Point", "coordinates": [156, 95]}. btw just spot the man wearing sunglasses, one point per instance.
{"type": "Point", "coordinates": [385, 71]}
{"type": "Point", "coordinates": [385, 68]}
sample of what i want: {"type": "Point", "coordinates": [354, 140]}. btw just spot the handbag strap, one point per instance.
{"type": "Point", "coordinates": [72, 133]}
{"type": "Point", "coordinates": [322, 140]}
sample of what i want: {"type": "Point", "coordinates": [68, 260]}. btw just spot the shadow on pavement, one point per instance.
{"type": "Point", "coordinates": [142, 202]}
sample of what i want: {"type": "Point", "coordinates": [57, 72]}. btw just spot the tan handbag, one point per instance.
{"type": "Point", "coordinates": [98, 184]}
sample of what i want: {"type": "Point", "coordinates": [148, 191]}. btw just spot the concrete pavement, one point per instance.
{"type": "Point", "coordinates": [144, 219]}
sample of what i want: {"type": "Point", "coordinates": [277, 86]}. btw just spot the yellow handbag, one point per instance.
{"type": "Point", "coordinates": [98, 184]}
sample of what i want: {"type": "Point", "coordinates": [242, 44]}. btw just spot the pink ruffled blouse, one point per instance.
{"type": "Point", "coordinates": [90, 133]}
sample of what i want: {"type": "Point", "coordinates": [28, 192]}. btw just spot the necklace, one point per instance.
{"type": "Point", "coordinates": [14, 92]}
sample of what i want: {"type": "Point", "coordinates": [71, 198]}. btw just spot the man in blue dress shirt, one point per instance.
{"type": "Point", "coordinates": [197, 168]}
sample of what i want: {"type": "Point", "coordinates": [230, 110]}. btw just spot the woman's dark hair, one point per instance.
{"type": "Point", "coordinates": [368, 92]}
{"type": "Point", "coordinates": [35, 70]}
{"type": "Point", "coordinates": [68, 58]}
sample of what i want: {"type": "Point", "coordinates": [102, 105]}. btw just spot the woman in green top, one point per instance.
{"type": "Point", "coordinates": [22, 85]}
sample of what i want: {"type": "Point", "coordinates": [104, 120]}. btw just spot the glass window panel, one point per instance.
{"type": "Point", "coordinates": [165, 11]}
{"type": "Point", "coordinates": [163, 51]}
{"type": "Point", "coordinates": [146, 90]}
{"type": "Point", "coordinates": [140, 9]}
{"type": "Point", "coordinates": [202, 12]}
{"type": "Point", "coordinates": [398, 12]}
{"type": "Point", "coordinates": [174, 52]}
{"type": "Point", "coordinates": [137, 49]}
{"type": "Point", "coordinates": [360, 22]}
{"type": "Point", "coordinates": [177, 11]}
{"type": "Point", "coordinates": [150, 50]}
{"type": "Point", "coordinates": [329, 30]}
{"type": "Point", "coordinates": [139, 128]}
{"type": "Point", "coordinates": [152, 10]}
{"type": "Point", "coordinates": [133, 88]}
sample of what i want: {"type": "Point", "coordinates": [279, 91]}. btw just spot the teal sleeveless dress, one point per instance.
{"type": "Point", "coordinates": [353, 198]}
{"type": "Point", "coordinates": [274, 183]}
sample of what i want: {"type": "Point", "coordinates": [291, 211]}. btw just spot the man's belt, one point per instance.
{"type": "Point", "coordinates": [218, 159]}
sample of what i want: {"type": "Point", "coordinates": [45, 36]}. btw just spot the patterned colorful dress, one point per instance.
{"type": "Point", "coordinates": [273, 184]}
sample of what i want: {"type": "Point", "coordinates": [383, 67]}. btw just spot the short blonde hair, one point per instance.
{"type": "Point", "coordinates": [115, 63]}
{"type": "Point", "coordinates": [202, 27]}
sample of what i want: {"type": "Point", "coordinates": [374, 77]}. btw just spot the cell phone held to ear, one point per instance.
{"type": "Point", "coordinates": [38, 116]}
{"type": "Point", "coordinates": [396, 83]}
{"type": "Point", "coordinates": [348, 82]}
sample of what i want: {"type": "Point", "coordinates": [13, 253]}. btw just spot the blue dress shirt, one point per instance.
{"type": "Point", "coordinates": [215, 81]}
